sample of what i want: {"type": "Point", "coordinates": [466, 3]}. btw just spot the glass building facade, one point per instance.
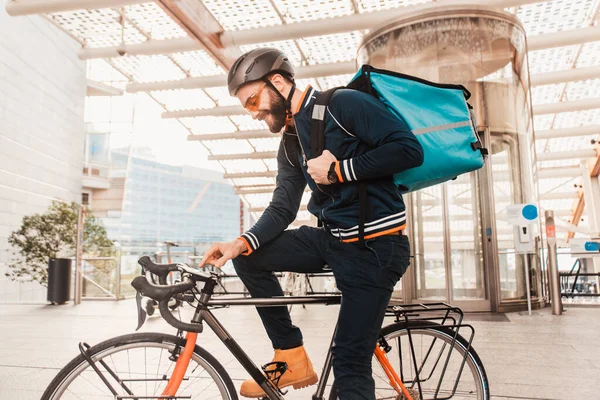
{"type": "Point", "coordinates": [186, 205]}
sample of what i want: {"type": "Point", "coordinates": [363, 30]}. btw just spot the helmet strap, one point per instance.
{"type": "Point", "coordinates": [288, 101]}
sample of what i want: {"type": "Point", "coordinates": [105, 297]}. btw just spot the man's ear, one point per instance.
{"type": "Point", "coordinates": [280, 83]}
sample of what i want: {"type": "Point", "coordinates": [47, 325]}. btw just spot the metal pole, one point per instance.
{"type": "Point", "coordinates": [118, 274]}
{"type": "Point", "coordinates": [526, 258]}
{"type": "Point", "coordinates": [555, 298]}
{"type": "Point", "coordinates": [79, 256]}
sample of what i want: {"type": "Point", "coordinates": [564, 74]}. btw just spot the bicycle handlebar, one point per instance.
{"type": "Point", "coordinates": [162, 294]}
{"type": "Point", "coordinates": [161, 270]}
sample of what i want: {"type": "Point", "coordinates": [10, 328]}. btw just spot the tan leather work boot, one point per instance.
{"type": "Point", "coordinates": [299, 374]}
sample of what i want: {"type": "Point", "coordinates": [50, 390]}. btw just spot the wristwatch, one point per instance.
{"type": "Point", "coordinates": [331, 174]}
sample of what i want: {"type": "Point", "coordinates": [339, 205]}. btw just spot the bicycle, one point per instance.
{"type": "Point", "coordinates": [413, 357]}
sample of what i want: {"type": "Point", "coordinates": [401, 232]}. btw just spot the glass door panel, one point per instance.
{"type": "Point", "coordinates": [430, 270]}
{"type": "Point", "coordinates": [468, 277]}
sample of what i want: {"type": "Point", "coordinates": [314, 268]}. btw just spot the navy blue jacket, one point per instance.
{"type": "Point", "coordinates": [370, 143]}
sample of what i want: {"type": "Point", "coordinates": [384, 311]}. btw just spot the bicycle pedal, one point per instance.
{"type": "Point", "coordinates": [274, 371]}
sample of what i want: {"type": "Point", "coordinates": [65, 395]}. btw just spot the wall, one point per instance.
{"type": "Point", "coordinates": [42, 93]}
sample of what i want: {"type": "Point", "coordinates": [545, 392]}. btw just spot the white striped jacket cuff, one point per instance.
{"type": "Point", "coordinates": [251, 241]}
{"type": "Point", "coordinates": [347, 170]}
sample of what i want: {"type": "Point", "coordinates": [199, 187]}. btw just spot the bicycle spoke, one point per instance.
{"type": "Point", "coordinates": [156, 386]}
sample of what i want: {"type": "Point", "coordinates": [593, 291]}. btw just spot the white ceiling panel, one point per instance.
{"type": "Point", "coordinates": [235, 15]}
{"type": "Point", "coordinates": [565, 144]}
{"type": "Point", "coordinates": [547, 93]}
{"type": "Point", "coordinates": [267, 144]}
{"type": "Point", "coordinates": [583, 89]}
{"type": "Point", "coordinates": [305, 10]}
{"type": "Point", "coordinates": [542, 122]}
{"type": "Point", "coordinates": [590, 55]}
{"type": "Point", "coordinates": [331, 48]}
{"type": "Point", "coordinates": [554, 15]}
{"type": "Point", "coordinates": [155, 68]}
{"type": "Point", "coordinates": [199, 63]}
{"type": "Point", "coordinates": [559, 163]}
{"type": "Point", "coordinates": [376, 5]}
{"type": "Point", "coordinates": [221, 96]}
{"type": "Point", "coordinates": [556, 59]}
{"type": "Point", "coordinates": [151, 19]}
{"type": "Point", "coordinates": [271, 164]}
{"type": "Point", "coordinates": [181, 99]}
{"type": "Point", "coordinates": [246, 123]}
{"type": "Point", "coordinates": [334, 81]}
{"type": "Point", "coordinates": [289, 47]}
{"type": "Point", "coordinates": [575, 118]}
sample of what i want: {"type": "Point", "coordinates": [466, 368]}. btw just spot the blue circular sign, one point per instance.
{"type": "Point", "coordinates": [530, 212]}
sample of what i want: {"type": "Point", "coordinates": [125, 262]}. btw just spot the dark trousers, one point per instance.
{"type": "Point", "coordinates": [366, 278]}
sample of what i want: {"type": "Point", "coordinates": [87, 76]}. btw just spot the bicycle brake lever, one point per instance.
{"type": "Point", "coordinates": [141, 311]}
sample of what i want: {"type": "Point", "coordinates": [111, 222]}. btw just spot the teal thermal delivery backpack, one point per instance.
{"type": "Point", "coordinates": [437, 114]}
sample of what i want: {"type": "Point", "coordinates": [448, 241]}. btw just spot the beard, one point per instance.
{"type": "Point", "coordinates": [276, 116]}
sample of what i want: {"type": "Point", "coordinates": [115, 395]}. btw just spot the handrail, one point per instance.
{"type": "Point", "coordinates": [564, 281]}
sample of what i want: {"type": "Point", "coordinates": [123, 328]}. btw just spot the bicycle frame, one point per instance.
{"type": "Point", "coordinates": [203, 314]}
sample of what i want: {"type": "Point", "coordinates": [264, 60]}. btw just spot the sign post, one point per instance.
{"type": "Point", "coordinates": [523, 216]}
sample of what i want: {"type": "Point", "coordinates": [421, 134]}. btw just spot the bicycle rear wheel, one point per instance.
{"type": "Point", "coordinates": [432, 346]}
{"type": "Point", "coordinates": [139, 365]}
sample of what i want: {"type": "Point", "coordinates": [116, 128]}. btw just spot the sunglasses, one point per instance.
{"type": "Point", "coordinates": [253, 102]}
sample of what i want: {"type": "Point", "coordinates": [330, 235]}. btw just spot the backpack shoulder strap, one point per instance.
{"type": "Point", "coordinates": [317, 145]}
{"type": "Point", "coordinates": [317, 123]}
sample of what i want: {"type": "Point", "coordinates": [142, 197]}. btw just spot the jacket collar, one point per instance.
{"type": "Point", "coordinates": [307, 96]}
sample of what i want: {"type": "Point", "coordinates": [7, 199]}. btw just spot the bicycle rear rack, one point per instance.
{"type": "Point", "coordinates": [439, 314]}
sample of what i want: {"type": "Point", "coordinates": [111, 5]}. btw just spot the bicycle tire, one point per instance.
{"type": "Point", "coordinates": [74, 369]}
{"type": "Point", "coordinates": [416, 326]}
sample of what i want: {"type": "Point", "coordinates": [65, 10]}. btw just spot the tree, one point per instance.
{"type": "Point", "coordinates": [50, 235]}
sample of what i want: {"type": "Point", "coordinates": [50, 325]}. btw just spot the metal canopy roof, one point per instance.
{"type": "Point", "coordinates": [161, 46]}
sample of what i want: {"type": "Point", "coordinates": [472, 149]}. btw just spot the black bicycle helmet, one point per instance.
{"type": "Point", "coordinates": [256, 65]}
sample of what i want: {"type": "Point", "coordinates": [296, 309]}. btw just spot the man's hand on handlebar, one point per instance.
{"type": "Point", "coordinates": [219, 253]}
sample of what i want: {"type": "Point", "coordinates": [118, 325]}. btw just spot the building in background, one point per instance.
{"type": "Point", "coordinates": [149, 203]}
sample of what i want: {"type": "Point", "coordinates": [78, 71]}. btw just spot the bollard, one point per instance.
{"type": "Point", "coordinates": [553, 277]}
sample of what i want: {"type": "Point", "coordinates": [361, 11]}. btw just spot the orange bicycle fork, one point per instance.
{"type": "Point", "coordinates": [181, 365]}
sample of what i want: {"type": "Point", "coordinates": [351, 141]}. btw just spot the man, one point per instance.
{"type": "Point", "coordinates": [364, 143]}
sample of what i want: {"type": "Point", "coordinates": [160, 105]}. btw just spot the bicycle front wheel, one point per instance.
{"type": "Point", "coordinates": [139, 366]}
